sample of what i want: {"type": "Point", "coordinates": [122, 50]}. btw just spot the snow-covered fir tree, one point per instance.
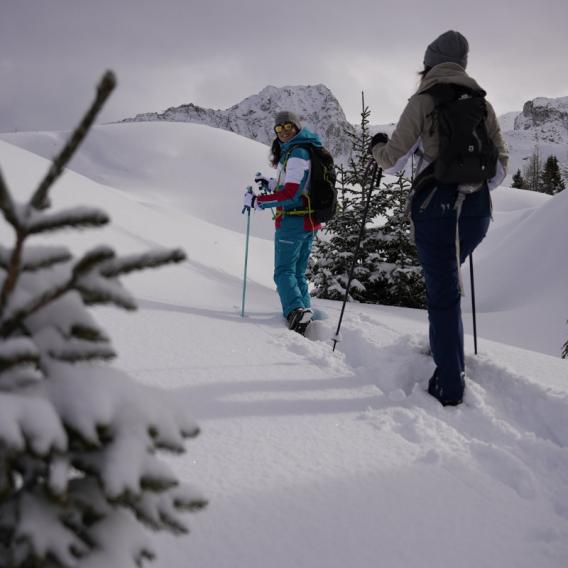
{"type": "Point", "coordinates": [81, 479]}
{"type": "Point", "coordinates": [551, 181]}
{"type": "Point", "coordinates": [386, 269]}
{"type": "Point", "coordinates": [396, 279]}
{"type": "Point", "coordinates": [333, 252]}
{"type": "Point", "coordinates": [518, 180]}
{"type": "Point", "coordinates": [532, 171]}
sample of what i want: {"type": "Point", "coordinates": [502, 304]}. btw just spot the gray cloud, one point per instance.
{"type": "Point", "coordinates": [217, 52]}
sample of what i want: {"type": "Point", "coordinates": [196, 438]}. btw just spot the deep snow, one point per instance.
{"type": "Point", "coordinates": [311, 458]}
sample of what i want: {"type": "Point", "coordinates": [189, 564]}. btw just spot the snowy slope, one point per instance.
{"type": "Point", "coordinates": [202, 171]}
{"type": "Point", "coordinates": [188, 166]}
{"type": "Point", "coordinates": [313, 459]}
{"type": "Point", "coordinates": [522, 276]}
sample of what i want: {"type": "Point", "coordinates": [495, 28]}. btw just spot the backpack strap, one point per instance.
{"type": "Point", "coordinates": [447, 92]}
{"type": "Point", "coordinates": [299, 212]}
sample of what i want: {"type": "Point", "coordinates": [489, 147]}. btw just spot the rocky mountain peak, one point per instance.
{"type": "Point", "coordinates": [253, 117]}
{"type": "Point", "coordinates": [546, 118]}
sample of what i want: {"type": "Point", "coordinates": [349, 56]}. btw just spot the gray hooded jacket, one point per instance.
{"type": "Point", "coordinates": [415, 126]}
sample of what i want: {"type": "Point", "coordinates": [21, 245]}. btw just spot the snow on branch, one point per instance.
{"type": "Point", "coordinates": [17, 351]}
{"type": "Point", "coordinates": [81, 473]}
{"type": "Point", "coordinates": [162, 510]}
{"type": "Point", "coordinates": [95, 289]}
{"type": "Point", "coordinates": [6, 203]}
{"type": "Point", "coordinates": [40, 534]}
{"type": "Point", "coordinates": [36, 258]}
{"type": "Point", "coordinates": [153, 259]}
{"type": "Point", "coordinates": [28, 421]}
{"type": "Point", "coordinates": [75, 218]}
{"type": "Point", "coordinates": [63, 348]}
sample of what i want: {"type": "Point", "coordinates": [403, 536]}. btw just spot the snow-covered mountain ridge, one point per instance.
{"type": "Point", "coordinates": [542, 124]}
{"type": "Point", "coordinates": [546, 118]}
{"type": "Point", "coordinates": [543, 121]}
{"type": "Point", "coordinates": [319, 110]}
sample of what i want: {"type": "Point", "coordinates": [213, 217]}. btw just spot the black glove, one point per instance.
{"type": "Point", "coordinates": [378, 138]}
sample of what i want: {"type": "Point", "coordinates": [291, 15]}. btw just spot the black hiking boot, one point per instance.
{"type": "Point", "coordinates": [299, 320]}
{"type": "Point", "coordinates": [437, 392]}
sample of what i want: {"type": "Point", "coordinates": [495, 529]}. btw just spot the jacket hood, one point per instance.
{"type": "Point", "coordinates": [305, 136]}
{"type": "Point", "coordinates": [447, 73]}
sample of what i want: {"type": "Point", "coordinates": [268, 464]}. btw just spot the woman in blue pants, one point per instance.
{"type": "Point", "coordinates": [295, 227]}
{"type": "Point", "coordinates": [436, 212]}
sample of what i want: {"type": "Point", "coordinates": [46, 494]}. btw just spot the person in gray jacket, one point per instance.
{"type": "Point", "coordinates": [435, 216]}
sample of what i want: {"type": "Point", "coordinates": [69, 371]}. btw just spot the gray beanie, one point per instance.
{"type": "Point", "coordinates": [449, 47]}
{"type": "Point", "coordinates": [288, 116]}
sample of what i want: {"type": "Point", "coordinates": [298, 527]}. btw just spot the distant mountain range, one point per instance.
{"type": "Point", "coordinates": [542, 122]}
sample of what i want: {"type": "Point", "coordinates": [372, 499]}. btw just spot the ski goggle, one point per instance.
{"type": "Point", "coordinates": [287, 126]}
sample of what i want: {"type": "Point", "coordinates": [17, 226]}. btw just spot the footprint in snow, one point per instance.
{"type": "Point", "coordinates": [506, 468]}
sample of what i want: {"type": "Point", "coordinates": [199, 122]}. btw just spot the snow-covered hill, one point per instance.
{"type": "Point", "coordinates": [176, 165]}
{"type": "Point", "coordinates": [317, 459]}
{"type": "Point", "coordinates": [254, 116]}
{"type": "Point", "coordinates": [188, 166]}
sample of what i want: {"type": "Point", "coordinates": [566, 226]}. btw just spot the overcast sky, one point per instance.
{"type": "Point", "coordinates": [214, 53]}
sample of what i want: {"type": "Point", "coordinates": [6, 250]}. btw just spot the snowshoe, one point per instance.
{"type": "Point", "coordinates": [299, 320]}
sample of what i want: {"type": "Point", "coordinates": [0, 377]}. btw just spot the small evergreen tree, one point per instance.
{"type": "Point", "coordinates": [387, 269]}
{"type": "Point", "coordinates": [532, 171]}
{"type": "Point", "coordinates": [397, 278]}
{"type": "Point", "coordinates": [332, 256]}
{"type": "Point", "coordinates": [518, 181]}
{"type": "Point", "coordinates": [551, 180]}
{"type": "Point", "coordinates": [79, 440]}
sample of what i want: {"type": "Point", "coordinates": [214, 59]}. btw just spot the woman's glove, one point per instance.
{"type": "Point", "coordinates": [249, 200]}
{"type": "Point", "coordinates": [378, 138]}
{"type": "Point", "coordinates": [264, 184]}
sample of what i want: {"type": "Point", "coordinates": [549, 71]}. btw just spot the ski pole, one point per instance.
{"type": "Point", "coordinates": [247, 207]}
{"type": "Point", "coordinates": [473, 303]}
{"type": "Point", "coordinates": [377, 174]}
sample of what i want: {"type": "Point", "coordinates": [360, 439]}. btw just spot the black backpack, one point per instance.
{"type": "Point", "coordinates": [321, 191]}
{"type": "Point", "coordinates": [466, 152]}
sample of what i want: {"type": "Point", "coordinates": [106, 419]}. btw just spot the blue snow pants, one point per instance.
{"type": "Point", "coordinates": [292, 247]}
{"type": "Point", "coordinates": [435, 234]}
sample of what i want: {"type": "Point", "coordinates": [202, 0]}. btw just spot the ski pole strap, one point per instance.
{"type": "Point", "coordinates": [298, 212]}
{"type": "Point", "coordinates": [458, 208]}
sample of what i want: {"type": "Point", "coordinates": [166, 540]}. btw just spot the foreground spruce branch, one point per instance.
{"type": "Point", "coordinates": [80, 474]}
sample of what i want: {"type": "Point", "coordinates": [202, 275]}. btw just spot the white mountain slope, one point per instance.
{"type": "Point", "coordinates": [192, 167]}
{"type": "Point", "coordinates": [254, 116]}
{"type": "Point", "coordinates": [311, 458]}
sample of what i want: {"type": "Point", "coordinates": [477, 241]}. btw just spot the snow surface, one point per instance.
{"type": "Point", "coordinates": [317, 459]}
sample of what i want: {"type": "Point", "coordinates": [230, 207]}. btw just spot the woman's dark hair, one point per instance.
{"type": "Point", "coordinates": [424, 72]}
{"type": "Point", "coordinates": [275, 152]}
